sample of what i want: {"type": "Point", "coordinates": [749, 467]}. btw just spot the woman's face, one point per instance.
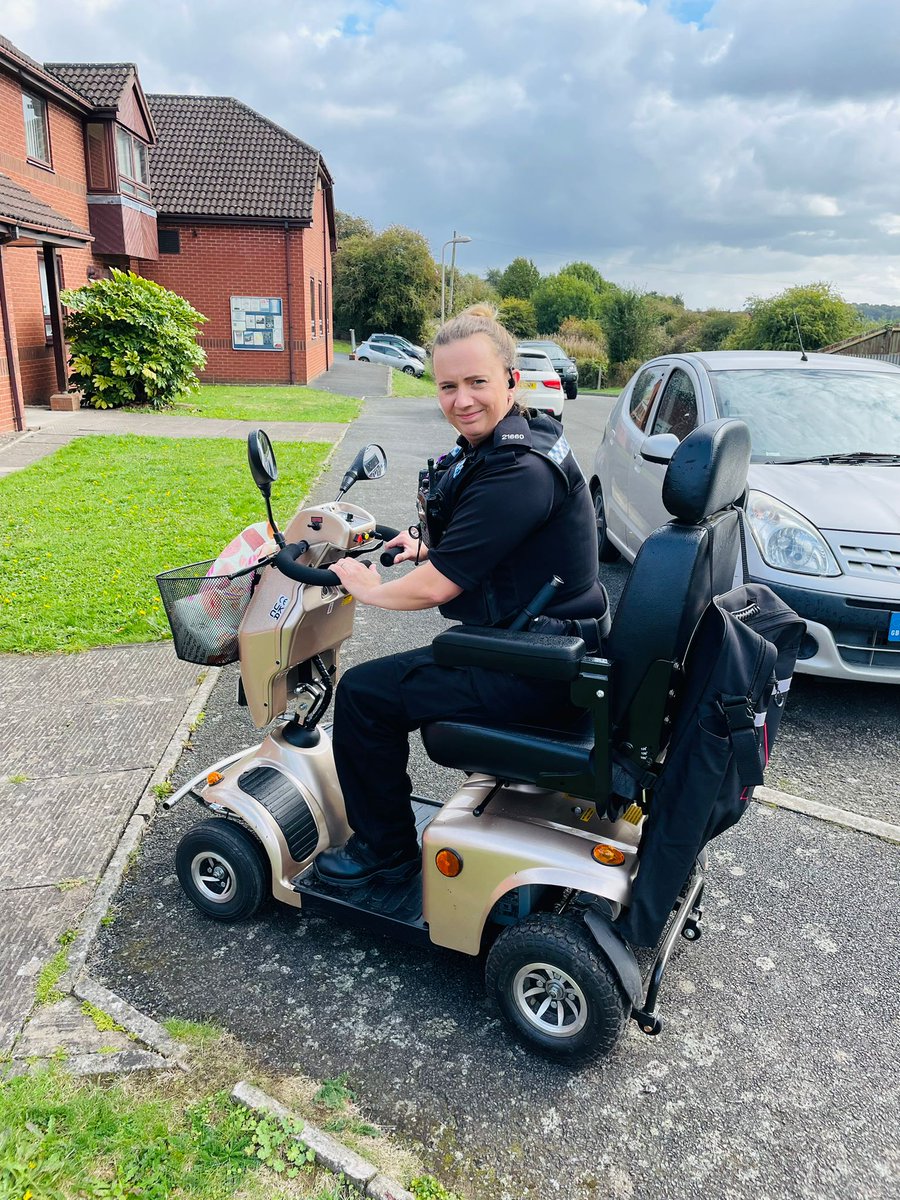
{"type": "Point", "coordinates": [473, 386]}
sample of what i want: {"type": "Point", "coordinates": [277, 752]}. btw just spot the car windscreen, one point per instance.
{"type": "Point", "coordinates": [806, 413]}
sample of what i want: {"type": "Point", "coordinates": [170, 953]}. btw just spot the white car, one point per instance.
{"type": "Point", "coordinates": [539, 381]}
{"type": "Point", "coordinates": [377, 353]}
{"type": "Point", "coordinates": [823, 505]}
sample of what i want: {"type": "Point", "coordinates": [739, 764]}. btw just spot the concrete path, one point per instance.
{"type": "Point", "coordinates": [346, 377]}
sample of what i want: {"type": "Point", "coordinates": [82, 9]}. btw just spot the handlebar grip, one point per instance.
{"type": "Point", "coordinates": [388, 557]}
{"type": "Point", "coordinates": [385, 532]}
{"type": "Point", "coordinates": [314, 576]}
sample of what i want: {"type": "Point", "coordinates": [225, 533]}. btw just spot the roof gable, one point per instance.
{"type": "Point", "coordinates": [216, 157]}
{"type": "Point", "coordinates": [111, 88]}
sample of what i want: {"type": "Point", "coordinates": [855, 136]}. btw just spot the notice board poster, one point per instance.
{"type": "Point", "coordinates": [257, 323]}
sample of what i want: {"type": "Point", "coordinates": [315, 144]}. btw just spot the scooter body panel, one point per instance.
{"type": "Point", "coordinates": [296, 811]}
{"type": "Point", "coordinates": [526, 836]}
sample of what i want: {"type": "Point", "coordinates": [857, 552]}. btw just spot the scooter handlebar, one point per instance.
{"type": "Point", "coordinates": [285, 561]}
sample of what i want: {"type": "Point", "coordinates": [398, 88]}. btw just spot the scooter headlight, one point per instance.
{"type": "Point", "coordinates": [786, 540]}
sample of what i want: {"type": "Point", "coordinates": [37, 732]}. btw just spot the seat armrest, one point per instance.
{"type": "Point", "coordinates": [537, 655]}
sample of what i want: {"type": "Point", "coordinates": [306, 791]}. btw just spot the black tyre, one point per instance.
{"type": "Point", "coordinates": [606, 551]}
{"type": "Point", "coordinates": [571, 391]}
{"type": "Point", "coordinates": [222, 869]}
{"type": "Point", "coordinates": [556, 989]}
{"type": "Point", "coordinates": [361, 358]}
{"type": "Point", "coordinates": [409, 370]}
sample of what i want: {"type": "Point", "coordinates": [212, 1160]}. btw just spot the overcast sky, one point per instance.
{"type": "Point", "coordinates": [716, 148]}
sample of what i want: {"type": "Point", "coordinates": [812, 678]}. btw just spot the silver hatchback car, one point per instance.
{"type": "Point", "coordinates": [823, 505]}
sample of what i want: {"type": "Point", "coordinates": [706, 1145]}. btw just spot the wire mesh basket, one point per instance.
{"type": "Point", "coordinates": [205, 612]}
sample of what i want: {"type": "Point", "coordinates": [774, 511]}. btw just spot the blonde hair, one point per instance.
{"type": "Point", "coordinates": [479, 318]}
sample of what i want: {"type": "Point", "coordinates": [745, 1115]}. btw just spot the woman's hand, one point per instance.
{"type": "Point", "coordinates": [359, 580]}
{"type": "Point", "coordinates": [413, 548]}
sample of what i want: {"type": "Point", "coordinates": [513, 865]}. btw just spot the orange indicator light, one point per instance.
{"type": "Point", "coordinates": [608, 855]}
{"type": "Point", "coordinates": [214, 777]}
{"type": "Point", "coordinates": [449, 863]}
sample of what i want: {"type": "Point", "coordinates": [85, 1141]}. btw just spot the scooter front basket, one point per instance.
{"type": "Point", "coordinates": [205, 612]}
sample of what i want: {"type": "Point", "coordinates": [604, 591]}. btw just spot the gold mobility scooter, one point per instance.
{"type": "Point", "coordinates": [534, 860]}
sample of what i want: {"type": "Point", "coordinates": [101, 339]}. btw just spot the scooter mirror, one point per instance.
{"type": "Point", "coordinates": [659, 447]}
{"type": "Point", "coordinates": [370, 463]}
{"type": "Point", "coordinates": [261, 457]}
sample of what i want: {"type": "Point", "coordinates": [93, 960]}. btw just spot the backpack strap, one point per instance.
{"type": "Point", "coordinates": [741, 720]}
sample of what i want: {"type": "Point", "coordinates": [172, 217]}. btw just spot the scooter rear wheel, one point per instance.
{"type": "Point", "coordinates": [555, 988]}
{"type": "Point", "coordinates": [222, 870]}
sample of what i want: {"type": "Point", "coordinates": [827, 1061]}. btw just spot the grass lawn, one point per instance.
{"type": "Point", "coordinates": [599, 391]}
{"type": "Point", "coordinates": [84, 532]}
{"type": "Point", "coordinates": [164, 1134]}
{"type": "Point", "coordinates": [408, 386]}
{"type": "Point", "coordinates": [268, 404]}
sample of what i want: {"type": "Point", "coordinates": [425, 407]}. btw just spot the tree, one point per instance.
{"type": "Point", "coordinates": [629, 324]}
{"type": "Point", "coordinates": [469, 288]}
{"type": "Point", "coordinates": [716, 327]}
{"type": "Point", "coordinates": [518, 317]}
{"type": "Point", "coordinates": [348, 226]}
{"type": "Point", "coordinates": [587, 273]}
{"type": "Point", "coordinates": [519, 279]}
{"type": "Point", "coordinates": [132, 342]}
{"type": "Point", "coordinates": [389, 282]}
{"type": "Point", "coordinates": [561, 296]}
{"type": "Point", "coordinates": [821, 313]}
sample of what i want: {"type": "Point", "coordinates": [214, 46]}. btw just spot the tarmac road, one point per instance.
{"type": "Point", "coordinates": [775, 1076]}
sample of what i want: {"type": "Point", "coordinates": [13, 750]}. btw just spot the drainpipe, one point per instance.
{"type": "Point", "coordinates": [289, 333]}
{"type": "Point", "coordinates": [11, 356]}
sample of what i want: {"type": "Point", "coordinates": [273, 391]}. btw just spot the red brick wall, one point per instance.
{"type": "Point", "coordinates": [64, 188]}
{"type": "Point", "coordinates": [217, 262]}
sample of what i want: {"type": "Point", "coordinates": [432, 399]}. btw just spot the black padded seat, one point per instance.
{"type": "Point", "coordinates": [519, 753]}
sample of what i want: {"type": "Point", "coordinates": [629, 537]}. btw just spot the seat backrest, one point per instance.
{"type": "Point", "coordinates": [682, 565]}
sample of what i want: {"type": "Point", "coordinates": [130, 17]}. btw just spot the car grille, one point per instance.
{"type": "Point", "coordinates": [867, 648]}
{"type": "Point", "coordinates": [871, 562]}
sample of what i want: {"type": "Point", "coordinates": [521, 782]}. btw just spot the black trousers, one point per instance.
{"type": "Point", "coordinates": [378, 704]}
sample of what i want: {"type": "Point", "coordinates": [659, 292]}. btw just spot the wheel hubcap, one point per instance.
{"type": "Point", "coordinates": [599, 516]}
{"type": "Point", "coordinates": [550, 1000]}
{"type": "Point", "coordinates": [213, 877]}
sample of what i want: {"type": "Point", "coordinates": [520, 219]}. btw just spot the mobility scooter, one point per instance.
{"type": "Point", "coordinates": [534, 858]}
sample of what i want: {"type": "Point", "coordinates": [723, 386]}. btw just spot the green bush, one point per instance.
{"type": "Point", "coordinates": [132, 342]}
{"type": "Point", "coordinates": [518, 317]}
{"type": "Point", "coordinates": [621, 372]}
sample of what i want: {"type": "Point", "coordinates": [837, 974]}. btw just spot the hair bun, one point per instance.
{"type": "Point", "coordinates": [481, 309]}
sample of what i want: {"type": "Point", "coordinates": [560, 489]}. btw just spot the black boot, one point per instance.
{"type": "Point", "coordinates": [356, 863]}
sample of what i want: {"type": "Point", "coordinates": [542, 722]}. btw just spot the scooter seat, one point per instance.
{"type": "Point", "coordinates": [521, 753]}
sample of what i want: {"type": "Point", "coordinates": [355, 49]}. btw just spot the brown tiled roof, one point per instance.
{"type": "Point", "coordinates": [19, 60]}
{"type": "Point", "coordinates": [101, 84]}
{"type": "Point", "coordinates": [218, 158]}
{"type": "Point", "coordinates": [19, 207]}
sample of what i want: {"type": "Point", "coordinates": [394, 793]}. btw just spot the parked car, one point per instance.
{"type": "Point", "coordinates": [400, 343]}
{"type": "Point", "coordinates": [823, 506]}
{"type": "Point", "coordinates": [382, 353]}
{"type": "Point", "coordinates": [539, 381]}
{"type": "Point", "coordinates": [562, 364]}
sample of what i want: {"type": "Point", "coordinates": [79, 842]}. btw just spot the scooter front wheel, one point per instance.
{"type": "Point", "coordinates": [222, 870]}
{"type": "Point", "coordinates": [555, 988]}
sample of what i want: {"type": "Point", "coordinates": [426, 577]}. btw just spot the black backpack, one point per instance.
{"type": "Point", "coordinates": [737, 673]}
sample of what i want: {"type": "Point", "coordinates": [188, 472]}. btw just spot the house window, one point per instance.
{"type": "Point", "coordinates": [37, 135]}
{"type": "Point", "coordinates": [312, 306]}
{"type": "Point", "coordinates": [321, 312]}
{"type": "Point", "coordinates": [131, 159]}
{"type": "Point", "coordinates": [45, 293]}
{"type": "Point", "coordinates": [169, 241]}
{"type": "Point", "coordinates": [99, 173]}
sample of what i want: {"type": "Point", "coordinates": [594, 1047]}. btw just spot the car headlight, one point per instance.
{"type": "Point", "coordinates": [786, 540]}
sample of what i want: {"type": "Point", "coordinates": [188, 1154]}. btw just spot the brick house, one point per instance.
{"type": "Point", "coordinates": [95, 174]}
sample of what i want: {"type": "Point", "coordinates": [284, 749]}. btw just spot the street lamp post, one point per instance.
{"type": "Point", "coordinates": [455, 241]}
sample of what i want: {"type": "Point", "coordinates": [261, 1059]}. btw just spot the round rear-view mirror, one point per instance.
{"type": "Point", "coordinates": [261, 457]}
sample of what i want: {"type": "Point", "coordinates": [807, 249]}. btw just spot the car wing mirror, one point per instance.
{"type": "Point", "coordinates": [370, 463]}
{"type": "Point", "coordinates": [659, 447]}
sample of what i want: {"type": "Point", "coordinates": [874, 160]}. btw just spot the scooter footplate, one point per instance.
{"type": "Point", "coordinates": [389, 907]}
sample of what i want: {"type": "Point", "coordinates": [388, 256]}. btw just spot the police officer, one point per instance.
{"type": "Point", "coordinates": [507, 509]}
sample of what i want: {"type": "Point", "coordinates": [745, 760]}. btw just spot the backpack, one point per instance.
{"type": "Point", "coordinates": [737, 673]}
